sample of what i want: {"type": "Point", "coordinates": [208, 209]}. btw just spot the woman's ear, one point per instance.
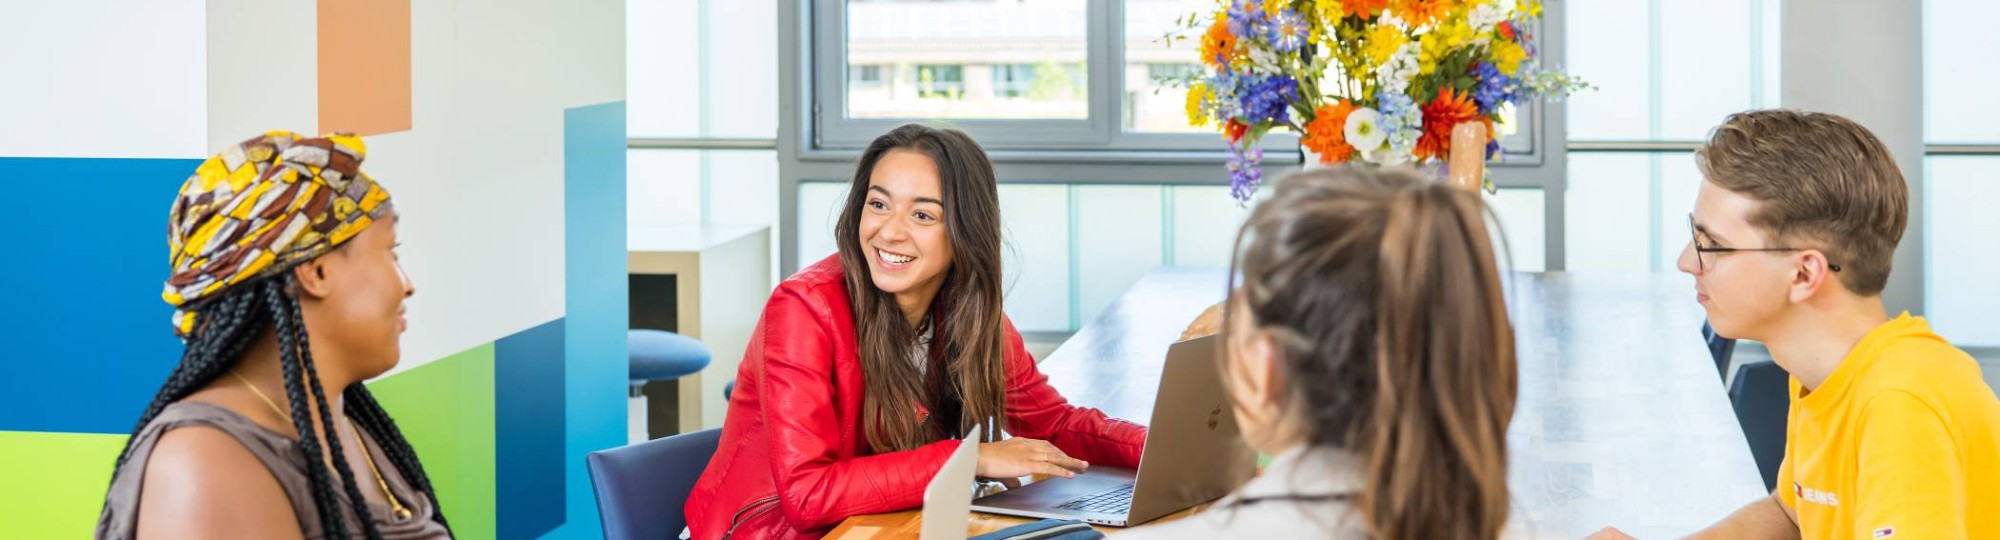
{"type": "Point", "coordinates": [310, 278]}
{"type": "Point", "coordinates": [1260, 371]}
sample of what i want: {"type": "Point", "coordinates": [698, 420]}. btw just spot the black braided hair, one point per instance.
{"type": "Point", "coordinates": [229, 322]}
{"type": "Point", "coordinates": [299, 373]}
{"type": "Point", "coordinates": [371, 417]}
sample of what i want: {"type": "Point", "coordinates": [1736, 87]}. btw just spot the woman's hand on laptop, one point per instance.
{"type": "Point", "coordinates": [1609, 533]}
{"type": "Point", "coordinates": [1018, 457]}
{"type": "Point", "coordinates": [1209, 322]}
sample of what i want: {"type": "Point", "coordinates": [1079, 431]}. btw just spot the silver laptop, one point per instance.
{"type": "Point", "coordinates": [1193, 455]}
{"type": "Point", "coordinates": [948, 498]}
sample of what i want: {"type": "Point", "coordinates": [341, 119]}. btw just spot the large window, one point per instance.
{"type": "Point", "coordinates": [1018, 63]}
{"type": "Point", "coordinates": [1959, 218]}
{"type": "Point", "coordinates": [1666, 71]}
{"type": "Point", "coordinates": [1102, 177]}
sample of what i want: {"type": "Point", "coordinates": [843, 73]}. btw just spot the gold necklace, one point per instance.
{"type": "Point", "coordinates": [394, 503]}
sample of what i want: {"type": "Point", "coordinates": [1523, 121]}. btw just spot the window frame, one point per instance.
{"type": "Point", "coordinates": [816, 142]}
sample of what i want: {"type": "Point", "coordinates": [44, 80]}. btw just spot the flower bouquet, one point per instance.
{"type": "Point", "coordinates": [1380, 82]}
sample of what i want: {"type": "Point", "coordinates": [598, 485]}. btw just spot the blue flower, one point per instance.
{"type": "Point", "coordinates": [1493, 89]}
{"type": "Point", "coordinates": [1228, 94]}
{"type": "Point", "coordinates": [1268, 97]}
{"type": "Point", "coordinates": [1245, 171]}
{"type": "Point", "coordinates": [1247, 19]}
{"type": "Point", "coordinates": [1402, 120]}
{"type": "Point", "coordinates": [1288, 31]}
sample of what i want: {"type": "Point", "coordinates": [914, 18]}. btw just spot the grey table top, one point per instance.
{"type": "Point", "coordinates": [1620, 419]}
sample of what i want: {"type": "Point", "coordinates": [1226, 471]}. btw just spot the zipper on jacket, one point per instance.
{"type": "Point", "coordinates": [739, 519]}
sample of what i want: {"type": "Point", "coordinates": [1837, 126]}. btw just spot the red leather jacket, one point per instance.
{"type": "Point", "coordinates": [793, 460]}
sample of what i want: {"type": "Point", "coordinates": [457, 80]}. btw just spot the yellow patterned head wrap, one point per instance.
{"type": "Point", "coordinates": [261, 207]}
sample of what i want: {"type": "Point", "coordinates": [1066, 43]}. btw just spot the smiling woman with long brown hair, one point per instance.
{"type": "Point", "coordinates": [868, 365]}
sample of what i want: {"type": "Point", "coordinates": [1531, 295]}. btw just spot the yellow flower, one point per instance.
{"type": "Point", "coordinates": [1329, 10]}
{"type": "Point", "coordinates": [1381, 42]}
{"type": "Point", "coordinates": [1272, 7]}
{"type": "Point", "coordinates": [1531, 9]}
{"type": "Point", "coordinates": [1507, 56]}
{"type": "Point", "coordinates": [1441, 42]}
{"type": "Point", "coordinates": [1197, 95]}
{"type": "Point", "coordinates": [1325, 15]}
{"type": "Point", "coordinates": [1454, 33]}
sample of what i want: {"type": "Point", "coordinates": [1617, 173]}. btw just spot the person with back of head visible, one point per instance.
{"type": "Point", "coordinates": [1368, 348]}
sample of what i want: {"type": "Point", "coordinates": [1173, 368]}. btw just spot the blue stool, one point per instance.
{"type": "Point", "coordinates": [657, 355]}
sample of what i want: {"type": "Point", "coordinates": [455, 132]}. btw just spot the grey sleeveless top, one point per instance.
{"type": "Point", "coordinates": [280, 455]}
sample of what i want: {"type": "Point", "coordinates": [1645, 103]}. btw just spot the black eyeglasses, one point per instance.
{"type": "Point", "coordinates": [1701, 252]}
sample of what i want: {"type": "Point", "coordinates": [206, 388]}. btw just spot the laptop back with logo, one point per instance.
{"type": "Point", "coordinates": [1200, 455]}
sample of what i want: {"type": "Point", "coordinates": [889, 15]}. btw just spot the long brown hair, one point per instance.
{"type": "Point", "coordinates": [1381, 295]}
{"type": "Point", "coordinates": [964, 384]}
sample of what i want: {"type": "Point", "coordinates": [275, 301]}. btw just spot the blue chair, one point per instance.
{"type": "Point", "coordinates": [1720, 348]}
{"type": "Point", "coordinates": [643, 488]}
{"type": "Point", "coordinates": [1759, 395]}
{"type": "Point", "coordinates": [661, 356]}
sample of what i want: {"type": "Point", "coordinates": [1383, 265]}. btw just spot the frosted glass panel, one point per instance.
{"type": "Point", "coordinates": [1704, 64]}
{"type": "Point", "coordinates": [1606, 212]}
{"type": "Point", "coordinates": [1963, 299]}
{"type": "Point", "coordinates": [1036, 253]}
{"type": "Point", "coordinates": [1205, 223]}
{"type": "Point", "coordinates": [743, 190]}
{"type": "Point", "coordinates": [1679, 181]}
{"type": "Point", "coordinates": [662, 187]}
{"type": "Point", "coordinates": [742, 52]}
{"type": "Point", "coordinates": [1608, 47]}
{"type": "Point", "coordinates": [1771, 69]}
{"type": "Point", "coordinates": [660, 45]}
{"type": "Point", "coordinates": [1958, 85]}
{"type": "Point", "coordinates": [1118, 240]}
{"type": "Point", "coordinates": [1961, 77]}
{"type": "Point", "coordinates": [819, 208]}
{"type": "Point", "coordinates": [743, 187]}
{"type": "Point", "coordinates": [1521, 213]}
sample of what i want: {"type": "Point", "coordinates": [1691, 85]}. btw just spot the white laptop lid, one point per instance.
{"type": "Point", "coordinates": [948, 498]}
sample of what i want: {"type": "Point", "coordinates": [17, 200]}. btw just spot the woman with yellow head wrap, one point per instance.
{"type": "Point", "coordinates": [285, 282]}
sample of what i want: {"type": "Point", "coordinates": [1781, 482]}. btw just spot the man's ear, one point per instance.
{"type": "Point", "coordinates": [311, 279]}
{"type": "Point", "coordinates": [1811, 274]}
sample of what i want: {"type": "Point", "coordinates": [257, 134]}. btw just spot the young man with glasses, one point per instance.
{"type": "Point", "coordinates": [1892, 432]}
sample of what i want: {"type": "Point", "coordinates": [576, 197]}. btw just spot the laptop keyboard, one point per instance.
{"type": "Point", "coordinates": [1117, 500]}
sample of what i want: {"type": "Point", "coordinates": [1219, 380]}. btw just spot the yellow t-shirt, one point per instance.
{"type": "Point", "coordinates": [1901, 441]}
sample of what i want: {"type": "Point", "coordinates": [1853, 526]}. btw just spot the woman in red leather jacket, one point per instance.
{"type": "Point", "coordinates": [869, 365]}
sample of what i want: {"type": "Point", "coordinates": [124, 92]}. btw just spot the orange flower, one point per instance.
{"type": "Point", "coordinates": [1440, 115]}
{"type": "Point", "coordinates": [1422, 12]}
{"type": "Point", "coordinates": [1219, 47]}
{"type": "Point", "coordinates": [1326, 134]}
{"type": "Point", "coordinates": [1363, 8]}
{"type": "Point", "coordinates": [1234, 130]}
